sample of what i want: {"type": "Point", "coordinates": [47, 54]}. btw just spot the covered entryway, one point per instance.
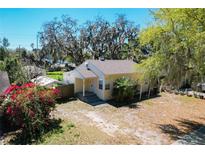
{"type": "Point", "coordinates": [86, 82]}
{"type": "Point", "coordinates": [86, 91]}
{"type": "Point", "coordinates": [85, 85]}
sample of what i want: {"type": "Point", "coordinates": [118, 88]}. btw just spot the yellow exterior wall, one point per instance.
{"type": "Point", "coordinates": [111, 79]}
{"type": "Point", "coordinates": [78, 86]}
{"type": "Point", "coordinates": [92, 85]}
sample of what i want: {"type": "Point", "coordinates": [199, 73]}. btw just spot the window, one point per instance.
{"type": "Point", "coordinates": [107, 86]}
{"type": "Point", "coordinates": [100, 84]}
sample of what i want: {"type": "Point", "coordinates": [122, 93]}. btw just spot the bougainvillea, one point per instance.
{"type": "Point", "coordinates": [29, 106]}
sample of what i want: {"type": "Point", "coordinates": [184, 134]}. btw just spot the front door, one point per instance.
{"type": "Point", "coordinates": [93, 85]}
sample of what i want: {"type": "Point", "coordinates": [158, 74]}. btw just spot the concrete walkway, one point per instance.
{"type": "Point", "coordinates": [195, 138]}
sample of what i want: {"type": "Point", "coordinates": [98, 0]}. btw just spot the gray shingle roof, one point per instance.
{"type": "Point", "coordinates": [84, 72]}
{"type": "Point", "coordinates": [109, 67]}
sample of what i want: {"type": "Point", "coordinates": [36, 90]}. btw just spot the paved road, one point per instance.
{"type": "Point", "coordinates": [195, 138]}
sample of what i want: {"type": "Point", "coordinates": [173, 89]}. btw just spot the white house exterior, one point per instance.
{"type": "Point", "coordinates": [98, 76]}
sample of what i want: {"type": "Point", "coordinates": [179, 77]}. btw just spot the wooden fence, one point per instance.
{"type": "Point", "coordinates": [66, 91]}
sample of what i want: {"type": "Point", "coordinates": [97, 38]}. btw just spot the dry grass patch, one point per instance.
{"type": "Point", "coordinates": [160, 120]}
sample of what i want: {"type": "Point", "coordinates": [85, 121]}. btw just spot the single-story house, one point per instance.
{"type": "Point", "coordinates": [98, 76]}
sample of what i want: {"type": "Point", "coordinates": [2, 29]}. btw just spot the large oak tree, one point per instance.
{"type": "Point", "coordinates": [65, 38]}
{"type": "Point", "coordinates": [177, 37]}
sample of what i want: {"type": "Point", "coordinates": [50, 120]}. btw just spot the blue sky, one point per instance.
{"type": "Point", "coordinates": [20, 26]}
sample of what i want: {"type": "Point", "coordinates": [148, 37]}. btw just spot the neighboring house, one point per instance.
{"type": "Point", "coordinates": [98, 76]}
{"type": "Point", "coordinates": [4, 81]}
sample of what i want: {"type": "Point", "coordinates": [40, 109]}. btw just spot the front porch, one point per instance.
{"type": "Point", "coordinates": [88, 91]}
{"type": "Point", "coordinates": [84, 85]}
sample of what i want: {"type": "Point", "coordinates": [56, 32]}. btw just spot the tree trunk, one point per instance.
{"type": "Point", "coordinates": [140, 92]}
{"type": "Point", "coordinates": [149, 92]}
{"type": "Point", "coordinates": [160, 88]}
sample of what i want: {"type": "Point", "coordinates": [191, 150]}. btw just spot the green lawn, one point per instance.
{"type": "Point", "coordinates": [56, 75]}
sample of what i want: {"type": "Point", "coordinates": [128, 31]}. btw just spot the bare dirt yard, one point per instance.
{"type": "Point", "coordinates": [160, 120]}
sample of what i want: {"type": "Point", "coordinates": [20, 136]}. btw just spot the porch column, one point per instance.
{"type": "Point", "coordinates": [83, 87]}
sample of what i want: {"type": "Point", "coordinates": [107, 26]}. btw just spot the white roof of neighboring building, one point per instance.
{"type": "Point", "coordinates": [45, 81]}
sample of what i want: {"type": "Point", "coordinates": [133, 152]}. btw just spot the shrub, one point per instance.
{"type": "Point", "coordinates": [1, 99]}
{"type": "Point", "coordinates": [3, 53]}
{"type": "Point", "coordinates": [54, 69]}
{"type": "Point", "coordinates": [14, 70]}
{"type": "Point", "coordinates": [28, 107]}
{"type": "Point", "coordinates": [123, 89]}
{"type": "Point", "coordinates": [32, 71]}
{"type": "Point", "coordinates": [1, 65]}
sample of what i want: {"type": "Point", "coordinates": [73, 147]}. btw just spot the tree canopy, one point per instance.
{"type": "Point", "coordinates": [171, 49]}
{"type": "Point", "coordinates": [176, 40]}
{"type": "Point", "coordinates": [63, 38]}
{"type": "Point", "coordinates": [4, 43]}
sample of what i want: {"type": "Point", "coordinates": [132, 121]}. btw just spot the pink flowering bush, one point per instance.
{"type": "Point", "coordinates": [28, 107]}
